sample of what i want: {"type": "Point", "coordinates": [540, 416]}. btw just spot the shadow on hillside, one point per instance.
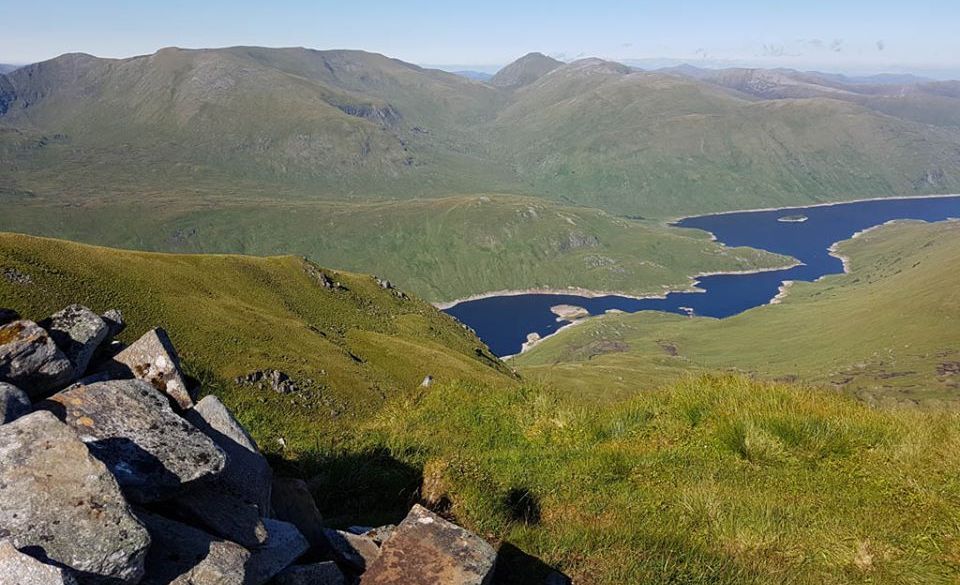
{"type": "Point", "coordinates": [515, 567]}
{"type": "Point", "coordinates": [371, 488]}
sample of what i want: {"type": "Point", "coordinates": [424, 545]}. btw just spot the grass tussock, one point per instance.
{"type": "Point", "coordinates": [716, 479]}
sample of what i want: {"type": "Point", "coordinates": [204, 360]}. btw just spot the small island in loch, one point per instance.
{"type": "Point", "coordinates": [796, 218]}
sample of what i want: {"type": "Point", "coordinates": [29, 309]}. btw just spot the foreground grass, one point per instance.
{"type": "Point", "coordinates": [887, 331]}
{"type": "Point", "coordinates": [711, 480]}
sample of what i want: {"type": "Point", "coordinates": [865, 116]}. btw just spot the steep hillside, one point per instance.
{"type": "Point", "coordinates": [599, 134]}
{"type": "Point", "coordinates": [344, 340]}
{"type": "Point", "coordinates": [311, 121]}
{"type": "Point", "coordinates": [886, 332]}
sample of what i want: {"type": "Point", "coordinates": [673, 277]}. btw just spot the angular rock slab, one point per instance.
{"type": "Point", "coordinates": [17, 568]}
{"type": "Point", "coordinates": [115, 323]}
{"type": "Point", "coordinates": [131, 427]}
{"type": "Point", "coordinates": [354, 551]}
{"type": "Point", "coordinates": [247, 474]}
{"type": "Point", "coordinates": [326, 573]}
{"type": "Point", "coordinates": [14, 403]}
{"type": "Point", "coordinates": [428, 550]}
{"type": "Point", "coordinates": [182, 555]}
{"type": "Point", "coordinates": [30, 360]}
{"type": "Point", "coordinates": [58, 501]}
{"type": "Point", "coordinates": [223, 515]}
{"type": "Point", "coordinates": [153, 358]}
{"type": "Point", "coordinates": [284, 545]}
{"type": "Point", "coordinates": [293, 503]}
{"type": "Point", "coordinates": [78, 332]}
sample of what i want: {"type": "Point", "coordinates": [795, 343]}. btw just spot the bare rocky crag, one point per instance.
{"type": "Point", "coordinates": [113, 473]}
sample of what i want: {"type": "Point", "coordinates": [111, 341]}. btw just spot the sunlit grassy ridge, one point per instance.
{"type": "Point", "coordinates": [348, 349]}
{"type": "Point", "coordinates": [442, 249]}
{"type": "Point", "coordinates": [710, 480]}
{"type": "Point", "coordinates": [889, 331]}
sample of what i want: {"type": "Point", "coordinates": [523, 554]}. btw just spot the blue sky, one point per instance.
{"type": "Point", "coordinates": [856, 36]}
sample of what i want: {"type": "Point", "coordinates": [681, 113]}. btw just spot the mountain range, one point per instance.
{"type": "Point", "coordinates": [355, 125]}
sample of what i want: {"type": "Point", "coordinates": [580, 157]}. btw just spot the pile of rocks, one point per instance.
{"type": "Point", "coordinates": [112, 473]}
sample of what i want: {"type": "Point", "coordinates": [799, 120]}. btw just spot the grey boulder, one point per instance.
{"type": "Point", "coordinates": [284, 545]}
{"type": "Point", "coordinates": [153, 358]}
{"type": "Point", "coordinates": [30, 360]}
{"type": "Point", "coordinates": [183, 555]}
{"type": "Point", "coordinates": [223, 515]}
{"type": "Point", "coordinates": [131, 427]}
{"type": "Point", "coordinates": [293, 503]}
{"type": "Point", "coordinates": [426, 549]}
{"type": "Point", "coordinates": [115, 323]}
{"type": "Point", "coordinates": [355, 551]}
{"type": "Point", "coordinates": [56, 498]}
{"type": "Point", "coordinates": [247, 474]}
{"type": "Point", "coordinates": [78, 332]}
{"type": "Point", "coordinates": [14, 403]}
{"type": "Point", "coordinates": [326, 573]}
{"type": "Point", "coordinates": [17, 568]}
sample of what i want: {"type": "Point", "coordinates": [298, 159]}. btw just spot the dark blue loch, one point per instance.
{"type": "Point", "coordinates": [805, 233]}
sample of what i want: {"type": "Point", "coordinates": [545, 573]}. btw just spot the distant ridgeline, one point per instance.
{"type": "Point", "coordinates": [250, 122]}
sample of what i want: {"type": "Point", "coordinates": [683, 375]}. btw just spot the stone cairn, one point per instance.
{"type": "Point", "coordinates": [112, 474]}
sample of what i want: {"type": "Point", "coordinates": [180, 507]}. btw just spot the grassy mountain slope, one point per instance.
{"type": "Point", "coordinates": [887, 331]}
{"type": "Point", "coordinates": [440, 248]}
{"type": "Point", "coordinates": [303, 121]}
{"type": "Point", "coordinates": [663, 145]}
{"type": "Point", "coordinates": [347, 348]}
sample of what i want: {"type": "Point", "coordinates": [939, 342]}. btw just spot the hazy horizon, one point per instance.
{"type": "Point", "coordinates": [856, 38]}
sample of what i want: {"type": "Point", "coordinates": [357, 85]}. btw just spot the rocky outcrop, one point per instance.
{"type": "Point", "coordinates": [75, 454]}
{"type": "Point", "coordinates": [58, 500]}
{"type": "Point", "coordinates": [17, 568]}
{"type": "Point", "coordinates": [247, 474]}
{"type": "Point", "coordinates": [275, 379]}
{"type": "Point", "coordinates": [130, 426]}
{"type": "Point", "coordinates": [115, 323]}
{"type": "Point", "coordinates": [182, 555]}
{"type": "Point", "coordinates": [222, 515]}
{"type": "Point", "coordinates": [325, 573]}
{"type": "Point", "coordinates": [30, 360]}
{"type": "Point", "coordinates": [14, 403]}
{"type": "Point", "coordinates": [425, 549]}
{"type": "Point", "coordinates": [355, 551]}
{"type": "Point", "coordinates": [293, 503]}
{"type": "Point", "coordinates": [78, 331]}
{"type": "Point", "coordinates": [281, 549]}
{"type": "Point", "coordinates": [152, 358]}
